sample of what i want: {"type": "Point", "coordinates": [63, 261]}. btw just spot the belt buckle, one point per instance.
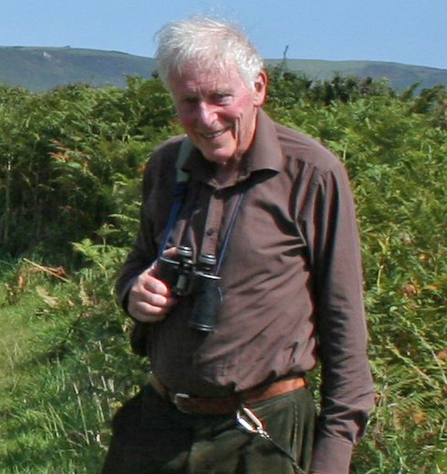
{"type": "Point", "coordinates": [177, 400]}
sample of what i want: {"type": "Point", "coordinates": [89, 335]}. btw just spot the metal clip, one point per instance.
{"type": "Point", "coordinates": [253, 425]}
{"type": "Point", "coordinates": [250, 422]}
{"type": "Point", "coordinates": [178, 399]}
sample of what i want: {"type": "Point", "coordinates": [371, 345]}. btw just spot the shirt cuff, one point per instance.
{"type": "Point", "coordinates": [331, 455]}
{"type": "Point", "coordinates": [123, 296]}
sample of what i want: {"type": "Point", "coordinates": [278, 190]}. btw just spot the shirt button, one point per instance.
{"type": "Point", "coordinates": [211, 231]}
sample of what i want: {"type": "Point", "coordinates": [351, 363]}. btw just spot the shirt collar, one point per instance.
{"type": "Point", "coordinates": [264, 154]}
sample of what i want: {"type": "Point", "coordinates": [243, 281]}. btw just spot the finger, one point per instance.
{"type": "Point", "coordinates": [148, 318]}
{"type": "Point", "coordinates": [145, 312]}
{"type": "Point", "coordinates": [170, 253]}
{"type": "Point", "coordinates": [157, 300]}
{"type": "Point", "coordinates": [153, 285]}
{"type": "Point", "coordinates": [152, 300]}
{"type": "Point", "coordinates": [143, 303]}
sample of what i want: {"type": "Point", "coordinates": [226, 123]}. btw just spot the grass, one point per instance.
{"type": "Point", "coordinates": [65, 367]}
{"type": "Point", "coordinates": [65, 364]}
{"type": "Point", "coordinates": [58, 391]}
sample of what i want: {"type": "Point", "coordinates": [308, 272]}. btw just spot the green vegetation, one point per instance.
{"type": "Point", "coordinates": [70, 171]}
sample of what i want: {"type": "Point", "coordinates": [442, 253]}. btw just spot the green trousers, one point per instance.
{"type": "Point", "coordinates": [150, 436]}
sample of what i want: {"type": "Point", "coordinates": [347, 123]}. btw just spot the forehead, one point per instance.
{"type": "Point", "coordinates": [196, 77]}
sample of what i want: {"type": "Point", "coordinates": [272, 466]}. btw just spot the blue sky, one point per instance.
{"type": "Point", "coordinates": [409, 31]}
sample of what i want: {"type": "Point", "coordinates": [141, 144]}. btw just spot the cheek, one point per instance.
{"type": "Point", "coordinates": [186, 120]}
{"type": "Point", "coordinates": [242, 108]}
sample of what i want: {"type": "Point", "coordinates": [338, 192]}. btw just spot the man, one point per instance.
{"type": "Point", "coordinates": [228, 392]}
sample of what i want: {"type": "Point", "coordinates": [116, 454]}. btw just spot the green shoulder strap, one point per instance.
{"type": "Point", "coordinates": [185, 150]}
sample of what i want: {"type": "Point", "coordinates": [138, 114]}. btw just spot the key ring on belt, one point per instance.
{"type": "Point", "coordinates": [250, 423]}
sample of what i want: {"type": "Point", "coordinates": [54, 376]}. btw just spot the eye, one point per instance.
{"type": "Point", "coordinates": [187, 104]}
{"type": "Point", "coordinates": [190, 100]}
{"type": "Point", "coordinates": [220, 98]}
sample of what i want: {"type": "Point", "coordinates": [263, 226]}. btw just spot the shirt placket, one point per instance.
{"type": "Point", "coordinates": [213, 224]}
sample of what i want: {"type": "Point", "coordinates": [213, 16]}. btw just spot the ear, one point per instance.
{"type": "Point", "coordinates": [260, 91]}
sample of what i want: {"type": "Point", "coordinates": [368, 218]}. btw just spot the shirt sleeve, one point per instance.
{"type": "Point", "coordinates": [347, 389]}
{"type": "Point", "coordinates": [143, 252]}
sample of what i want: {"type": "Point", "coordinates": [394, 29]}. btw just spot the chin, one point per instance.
{"type": "Point", "coordinates": [218, 156]}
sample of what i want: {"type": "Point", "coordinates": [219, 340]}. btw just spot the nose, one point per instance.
{"type": "Point", "coordinates": [207, 113]}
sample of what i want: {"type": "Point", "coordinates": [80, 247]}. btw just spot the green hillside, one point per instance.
{"type": "Point", "coordinates": [40, 69]}
{"type": "Point", "coordinates": [399, 75]}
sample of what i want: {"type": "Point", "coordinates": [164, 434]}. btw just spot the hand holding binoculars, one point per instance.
{"type": "Point", "coordinates": [185, 277]}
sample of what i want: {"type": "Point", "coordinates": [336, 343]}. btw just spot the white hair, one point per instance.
{"type": "Point", "coordinates": [210, 44]}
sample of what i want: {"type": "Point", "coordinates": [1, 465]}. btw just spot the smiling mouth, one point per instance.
{"type": "Point", "coordinates": [210, 136]}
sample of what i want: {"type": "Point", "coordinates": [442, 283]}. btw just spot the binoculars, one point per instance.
{"type": "Point", "coordinates": [185, 277]}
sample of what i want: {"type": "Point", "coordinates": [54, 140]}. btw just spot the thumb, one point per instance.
{"type": "Point", "coordinates": [170, 253]}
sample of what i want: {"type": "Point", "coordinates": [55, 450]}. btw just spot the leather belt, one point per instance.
{"type": "Point", "coordinates": [225, 406]}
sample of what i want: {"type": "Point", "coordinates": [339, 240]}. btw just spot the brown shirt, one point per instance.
{"type": "Point", "coordinates": [291, 279]}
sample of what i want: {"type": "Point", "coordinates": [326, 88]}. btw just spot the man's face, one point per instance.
{"type": "Point", "coordinates": [217, 110]}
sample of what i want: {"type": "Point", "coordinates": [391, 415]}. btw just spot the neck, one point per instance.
{"type": "Point", "coordinates": [227, 171]}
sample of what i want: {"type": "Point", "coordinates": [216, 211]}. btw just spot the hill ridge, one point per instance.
{"type": "Point", "coordinates": [40, 68]}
